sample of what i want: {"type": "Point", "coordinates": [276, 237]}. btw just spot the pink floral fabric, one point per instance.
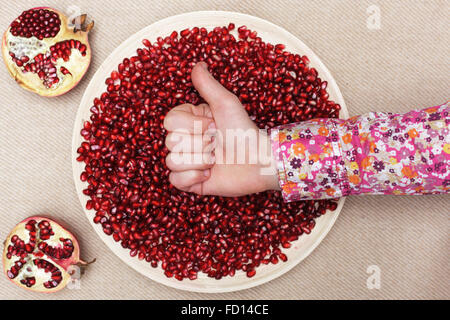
{"type": "Point", "coordinates": [378, 153]}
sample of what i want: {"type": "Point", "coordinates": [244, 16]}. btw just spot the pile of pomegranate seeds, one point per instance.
{"type": "Point", "coordinates": [124, 154]}
{"type": "Point", "coordinates": [40, 23]}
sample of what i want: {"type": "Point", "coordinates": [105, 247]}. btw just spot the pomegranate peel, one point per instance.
{"type": "Point", "coordinates": [38, 255]}
{"type": "Point", "coordinates": [45, 53]}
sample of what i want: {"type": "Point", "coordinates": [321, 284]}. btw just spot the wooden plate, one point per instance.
{"type": "Point", "coordinates": [209, 19]}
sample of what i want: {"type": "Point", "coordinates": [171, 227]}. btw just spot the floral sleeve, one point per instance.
{"type": "Point", "coordinates": [378, 153]}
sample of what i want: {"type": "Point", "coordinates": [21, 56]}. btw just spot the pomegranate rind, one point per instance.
{"type": "Point", "coordinates": [63, 265]}
{"type": "Point", "coordinates": [77, 65]}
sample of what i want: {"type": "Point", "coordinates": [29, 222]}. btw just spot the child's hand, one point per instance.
{"type": "Point", "coordinates": [208, 166]}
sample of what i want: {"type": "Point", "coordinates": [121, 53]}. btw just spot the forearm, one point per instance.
{"type": "Point", "coordinates": [377, 153]}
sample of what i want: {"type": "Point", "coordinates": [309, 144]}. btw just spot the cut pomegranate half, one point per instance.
{"type": "Point", "coordinates": [45, 53]}
{"type": "Point", "coordinates": [38, 255]}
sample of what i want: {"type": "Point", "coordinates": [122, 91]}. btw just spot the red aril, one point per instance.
{"type": "Point", "coordinates": [45, 53]}
{"type": "Point", "coordinates": [39, 253]}
{"type": "Point", "coordinates": [124, 154]}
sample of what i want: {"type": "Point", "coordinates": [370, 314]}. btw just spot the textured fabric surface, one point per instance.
{"type": "Point", "coordinates": [401, 66]}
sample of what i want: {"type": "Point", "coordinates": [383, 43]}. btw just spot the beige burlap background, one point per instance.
{"type": "Point", "coordinates": [403, 65]}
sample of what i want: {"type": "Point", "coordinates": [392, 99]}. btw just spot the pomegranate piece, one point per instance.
{"type": "Point", "coordinates": [45, 53]}
{"type": "Point", "coordinates": [38, 253]}
{"type": "Point", "coordinates": [124, 154]}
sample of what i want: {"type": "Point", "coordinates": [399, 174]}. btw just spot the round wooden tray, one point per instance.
{"type": "Point", "coordinates": [209, 19]}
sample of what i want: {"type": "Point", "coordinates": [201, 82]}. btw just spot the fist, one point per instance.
{"type": "Point", "coordinates": [215, 148]}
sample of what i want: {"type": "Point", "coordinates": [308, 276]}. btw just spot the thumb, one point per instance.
{"type": "Point", "coordinates": [224, 104]}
